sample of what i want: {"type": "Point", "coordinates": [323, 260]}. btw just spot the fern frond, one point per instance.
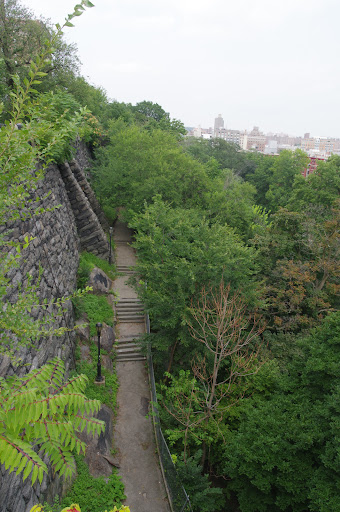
{"type": "Point", "coordinates": [93, 425]}
{"type": "Point", "coordinates": [40, 410]}
{"type": "Point", "coordinates": [61, 459]}
{"type": "Point", "coordinates": [41, 430]}
{"type": "Point", "coordinates": [75, 402]}
{"type": "Point", "coordinates": [57, 372]}
{"type": "Point", "coordinates": [75, 385]}
{"type": "Point", "coordinates": [16, 453]}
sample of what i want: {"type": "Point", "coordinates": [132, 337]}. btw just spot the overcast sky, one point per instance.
{"type": "Point", "coordinates": [270, 63]}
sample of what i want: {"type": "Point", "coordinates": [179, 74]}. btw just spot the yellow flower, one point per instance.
{"type": "Point", "coordinates": [72, 508]}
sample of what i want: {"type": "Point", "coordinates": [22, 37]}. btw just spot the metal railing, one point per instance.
{"type": "Point", "coordinates": [179, 500]}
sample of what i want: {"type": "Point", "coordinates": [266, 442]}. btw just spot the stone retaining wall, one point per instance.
{"type": "Point", "coordinates": [59, 235]}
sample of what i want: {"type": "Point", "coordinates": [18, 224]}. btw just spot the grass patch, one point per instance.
{"type": "Point", "coordinates": [94, 494]}
{"type": "Point", "coordinates": [106, 394]}
{"type": "Point", "coordinates": [87, 262]}
{"type": "Point", "coordinates": [97, 309]}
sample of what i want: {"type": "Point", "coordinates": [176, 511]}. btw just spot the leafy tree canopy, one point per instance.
{"type": "Point", "coordinates": [284, 454]}
{"type": "Point", "coordinates": [138, 164]}
{"type": "Point", "coordinates": [285, 168]}
{"type": "Point", "coordinates": [319, 189]}
{"type": "Point", "coordinates": [227, 154]}
{"type": "Point", "coordinates": [22, 39]}
{"type": "Point", "coordinates": [299, 255]}
{"type": "Point", "coordinates": [151, 116]}
{"type": "Point", "coordinates": [179, 251]}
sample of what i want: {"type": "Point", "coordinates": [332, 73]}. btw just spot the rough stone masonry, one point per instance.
{"type": "Point", "coordinates": [71, 225]}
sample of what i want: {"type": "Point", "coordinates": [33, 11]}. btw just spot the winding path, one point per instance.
{"type": "Point", "coordinates": [134, 435]}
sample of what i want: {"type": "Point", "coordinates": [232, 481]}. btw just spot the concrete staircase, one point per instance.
{"type": "Point", "coordinates": [129, 311]}
{"type": "Point", "coordinates": [124, 269]}
{"type": "Point", "coordinates": [128, 348]}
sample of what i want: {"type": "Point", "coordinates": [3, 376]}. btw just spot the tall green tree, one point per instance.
{"type": "Point", "coordinates": [227, 154]}
{"type": "Point", "coordinates": [138, 164]}
{"type": "Point", "coordinates": [299, 255]}
{"type": "Point", "coordinates": [319, 190]}
{"type": "Point", "coordinates": [285, 168]}
{"type": "Point", "coordinates": [151, 115]}
{"type": "Point", "coordinates": [284, 456]}
{"type": "Point", "coordinates": [180, 251]}
{"type": "Point", "coordinates": [22, 39]}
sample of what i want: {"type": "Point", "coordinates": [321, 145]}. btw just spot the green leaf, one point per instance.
{"type": "Point", "coordinates": [27, 470]}
{"type": "Point", "coordinates": [35, 473]}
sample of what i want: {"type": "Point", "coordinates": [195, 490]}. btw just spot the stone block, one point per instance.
{"type": "Point", "coordinates": [99, 281]}
{"type": "Point", "coordinates": [107, 337]}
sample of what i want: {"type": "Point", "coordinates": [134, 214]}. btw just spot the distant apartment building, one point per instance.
{"type": "Point", "coordinates": [201, 133]}
{"type": "Point", "coordinates": [283, 139]}
{"type": "Point", "coordinates": [218, 125]}
{"type": "Point", "coordinates": [308, 144]}
{"type": "Point", "coordinates": [232, 136]}
{"type": "Point", "coordinates": [322, 147]}
{"type": "Point", "coordinates": [228, 135]}
{"type": "Point", "coordinates": [256, 140]}
{"type": "Point", "coordinates": [272, 143]}
{"type": "Point", "coordinates": [243, 140]}
{"type": "Point", "coordinates": [312, 166]}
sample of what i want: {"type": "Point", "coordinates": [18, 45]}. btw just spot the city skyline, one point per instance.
{"type": "Point", "coordinates": [267, 133]}
{"type": "Point", "coordinates": [269, 64]}
{"type": "Point", "coordinates": [268, 143]}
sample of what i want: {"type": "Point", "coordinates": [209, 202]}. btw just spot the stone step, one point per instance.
{"type": "Point", "coordinates": [131, 314]}
{"type": "Point", "coordinates": [130, 309]}
{"type": "Point", "coordinates": [131, 337]}
{"type": "Point", "coordinates": [132, 320]}
{"type": "Point", "coordinates": [130, 304]}
{"type": "Point", "coordinates": [128, 350]}
{"type": "Point", "coordinates": [135, 306]}
{"type": "Point", "coordinates": [127, 358]}
{"type": "Point", "coordinates": [132, 347]}
{"type": "Point", "coordinates": [123, 300]}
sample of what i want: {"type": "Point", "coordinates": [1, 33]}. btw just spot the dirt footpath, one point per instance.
{"type": "Point", "coordinates": [134, 435]}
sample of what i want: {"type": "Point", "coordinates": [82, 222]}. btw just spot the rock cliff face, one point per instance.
{"type": "Point", "coordinates": [70, 225]}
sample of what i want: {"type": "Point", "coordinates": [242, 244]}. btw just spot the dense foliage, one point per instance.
{"type": "Point", "coordinates": [94, 494]}
{"type": "Point", "coordinates": [41, 414]}
{"type": "Point", "coordinates": [284, 455]}
{"type": "Point", "coordinates": [208, 216]}
{"type": "Point", "coordinates": [42, 410]}
{"type": "Point", "coordinates": [263, 419]}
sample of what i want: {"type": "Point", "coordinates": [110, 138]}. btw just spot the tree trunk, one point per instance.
{"type": "Point", "coordinates": [172, 353]}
